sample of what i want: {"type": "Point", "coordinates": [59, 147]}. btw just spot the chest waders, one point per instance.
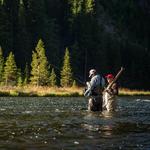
{"type": "Point", "coordinates": [96, 101]}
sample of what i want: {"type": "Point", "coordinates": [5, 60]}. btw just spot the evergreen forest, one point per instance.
{"type": "Point", "coordinates": [57, 42]}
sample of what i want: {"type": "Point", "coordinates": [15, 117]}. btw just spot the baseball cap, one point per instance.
{"type": "Point", "coordinates": [109, 76]}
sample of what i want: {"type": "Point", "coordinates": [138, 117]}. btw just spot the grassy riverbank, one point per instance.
{"type": "Point", "coordinates": [40, 91]}
{"type": "Point", "coordinates": [128, 92]}
{"type": "Point", "coordinates": [48, 91]}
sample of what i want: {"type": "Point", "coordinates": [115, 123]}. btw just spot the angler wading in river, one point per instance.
{"type": "Point", "coordinates": [110, 95]}
{"type": "Point", "coordinates": [94, 91]}
{"type": "Point", "coordinates": [111, 91]}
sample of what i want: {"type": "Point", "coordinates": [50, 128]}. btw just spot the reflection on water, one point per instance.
{"type": "Point", "coordinates": [65, 123]}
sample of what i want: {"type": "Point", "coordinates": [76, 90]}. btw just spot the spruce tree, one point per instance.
{"type": "Point", "coordinates": [89, 4]}
{"type": "Point", "coordinates": [53, 80]}
{"type": "Point", "coordinates": [19, 77]}
{"type": "Point", "coordinates": [10, 70]}
{"type": "Point", "coordinates": [1, 64]}
{"type": "Point", "coordinates": [34, 69]}
{"type": "Point", "coordinates": [24, 40]}
{"type": "Point", "coordinates": [1, 2]}
{"type": "Point", "coordinates": [39, 66]}
{"type": "Point", "coordinates": [75, 6]}
{"type": "Point", "coordinates": [74, 85]}
{"type": "Point", "coordinates": [26, 75]}
{"type": "Point", "coordinates": [11, 8]}
{"type": "Point", "coordinates": [5, 28]}
{"type": "Point", "coordinates": [66, 73]}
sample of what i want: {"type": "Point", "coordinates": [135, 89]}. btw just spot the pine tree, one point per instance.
{"type": "Point", "coordinates": [26, 75]}
{"type": "Point", "coordinates": [1, 64]}
{"type": "Point", "coordinates": [5, 28]}
{"type": "Point", "coordinates": [39, 66]}
{"type": "Point", "coordinates": [74, 85]}
{"type": "Point", "coordinates": [10, 70]}
{"type": "Point", "coordinates": [19, 77]}
{"type": "Point", "coordinates": [75, 6]}
{"type": "Point", "coordinates": [66, 73]}
{"type": "Point", "coordinates": [24, 41]}
{"type": "Point", "coordinates": [34, 69]}
{"type": "Point", "coordinates": [1, 2]}
{"type": "Point", "coordinates": [53, 80]}
{"type": "Point", "coordinates": [11, 9]}
{"type": "Point", "coordinates": [89, 4]}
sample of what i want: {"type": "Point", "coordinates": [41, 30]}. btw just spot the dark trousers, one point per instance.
{"type": "Point", "coordinates": [95, 103]}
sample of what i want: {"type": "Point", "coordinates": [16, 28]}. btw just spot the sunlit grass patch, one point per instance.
{"type": "Point", "coordinates": [40, 91]}
{"type": "Point", "coordinates": [32, 91]}
{"type": "Point", "coordinates": [124, 91]}
{"type": "Point", "coordinates": [14, 93]}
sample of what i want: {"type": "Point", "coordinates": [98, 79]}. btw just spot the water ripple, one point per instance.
{"type": "Point", "coordinates": [64, 123]}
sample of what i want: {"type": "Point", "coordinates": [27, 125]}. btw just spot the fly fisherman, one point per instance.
{"type": "Point", "coordinates": [109, 95]}
{"type": "Point", "coordinates": [94, 91]}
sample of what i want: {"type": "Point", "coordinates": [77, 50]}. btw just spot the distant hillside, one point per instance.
{"type": "Point", "coordinates": [102, 34]}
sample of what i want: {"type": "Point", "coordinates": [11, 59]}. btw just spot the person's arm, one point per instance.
{"type": "Point", "coordinates": [90, 86]}
{"type": "Point", "coordinates": [113, 90]}
{"type": "Point", "coordinates": [103, 83]}
{"type": "Point", "coordinates": [87, 93]}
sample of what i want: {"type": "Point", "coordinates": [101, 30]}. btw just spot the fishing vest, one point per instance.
{"type": "Point", "coordinates": [97, 89]}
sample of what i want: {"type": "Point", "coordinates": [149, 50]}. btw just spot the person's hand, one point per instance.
{"type": "Point", "coordinates": [87, 83]}
{"type": "Point", "coordinates": [108, 91]}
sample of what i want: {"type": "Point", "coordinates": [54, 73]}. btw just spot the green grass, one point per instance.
{"type": "Point", "coordinates": [128, 92]}
{"type": "Point", "coordinates": [32, 91]}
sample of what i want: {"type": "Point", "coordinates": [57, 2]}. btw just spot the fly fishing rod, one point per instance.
{"type": "Point", "coordinates": [115, 79]}
{"type": "Point", "coordinates": [76, 78]}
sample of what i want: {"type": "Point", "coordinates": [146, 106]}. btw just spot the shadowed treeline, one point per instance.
{"type": "Point", "coordinates": [100, 34]}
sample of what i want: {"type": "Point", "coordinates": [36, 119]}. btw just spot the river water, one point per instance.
{"type": "Point", "coordinates": [46, 123]}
